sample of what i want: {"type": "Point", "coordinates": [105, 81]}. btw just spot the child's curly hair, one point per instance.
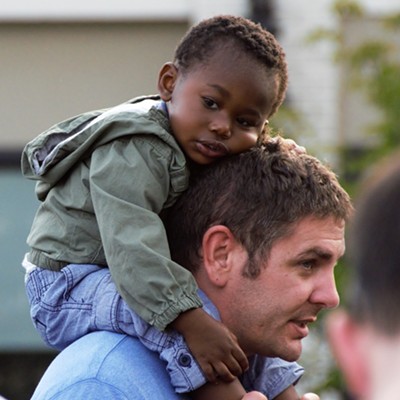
{"type": "Point", "coordinates": [203, 39]}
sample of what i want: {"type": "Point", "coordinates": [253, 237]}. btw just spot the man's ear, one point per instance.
{"type": "Point", "coordinates": [348, 346]}
{"type": "Point", "coordinates": [221, 253]}
{"type": "Point", "coordinates": [166, 80]}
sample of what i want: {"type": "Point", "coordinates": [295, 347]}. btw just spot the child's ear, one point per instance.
{"type": "Point", "coordinates": [166, 80]}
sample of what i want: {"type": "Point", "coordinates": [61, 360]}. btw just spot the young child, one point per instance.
{"type": "Point", "coordinates": [105, 176]}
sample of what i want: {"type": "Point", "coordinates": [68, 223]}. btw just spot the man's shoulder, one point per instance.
{"type": "Point", "coordinates": [106, 361]}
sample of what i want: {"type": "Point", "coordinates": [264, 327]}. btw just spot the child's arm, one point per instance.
{"type": "Point", "coordinates": [229, 391]}
{"type": "Point", "coordinates": [214, 347]}
{"type": "Point", "coordinates": [221, 390]}
{"type": "Point", "coordinates": [288, 394]}
{"type": "Point", "coordinates": [234, 391]}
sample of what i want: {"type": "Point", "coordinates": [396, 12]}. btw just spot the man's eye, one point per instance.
{"type": "Point", "coordinates": [308, 265]}
{"type": "Point", "coordinates": [210, 103]}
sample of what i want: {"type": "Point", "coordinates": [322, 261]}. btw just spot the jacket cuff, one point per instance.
{"type": "Point", "coordinates": [185, 303]}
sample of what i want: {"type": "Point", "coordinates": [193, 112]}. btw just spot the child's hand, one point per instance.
{"type": "Point", "coordinates": [214, 347]}
{"type": "Point", "coordinates": [293, 146]}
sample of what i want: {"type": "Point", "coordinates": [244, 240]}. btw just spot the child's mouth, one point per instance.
{"type": "Point", "coordinates": [212, 149]}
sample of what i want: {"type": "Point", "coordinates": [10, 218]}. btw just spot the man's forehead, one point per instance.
{"type": "Point", "coordinates": [323, 237]}
{"type": "Point", "coordinates": [328, 223]}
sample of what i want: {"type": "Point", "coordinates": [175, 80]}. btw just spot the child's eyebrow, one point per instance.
{"type": "Point", "coordinates": [220, 89]}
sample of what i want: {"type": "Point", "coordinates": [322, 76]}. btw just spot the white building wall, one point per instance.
{"type": "Point", "coordinates": [314, 82]}
{"type": "Point", "coordinates": [77, 10]}
{"type": "Point", "coordinates": [313, 79]}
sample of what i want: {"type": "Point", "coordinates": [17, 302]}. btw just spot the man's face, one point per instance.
{"type": "Point", "coordinates": [270, 314]}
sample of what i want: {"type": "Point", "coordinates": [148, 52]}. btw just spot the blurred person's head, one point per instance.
{"type": "Point", "coordinates": [366, 338]}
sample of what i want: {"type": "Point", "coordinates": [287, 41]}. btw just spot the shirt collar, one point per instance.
{"type": "Point", "coordinates": [208, 305]}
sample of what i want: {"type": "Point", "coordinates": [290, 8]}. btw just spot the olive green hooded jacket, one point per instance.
{"type": "Point", "coordinates": [103, 177]}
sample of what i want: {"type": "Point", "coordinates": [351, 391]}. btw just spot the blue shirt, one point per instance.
{"type": "Point", "coordinates": [115, 366]}
{"type": "Point", "coordinates": [106, 365]}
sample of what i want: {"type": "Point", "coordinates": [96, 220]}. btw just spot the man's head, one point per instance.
{"type": "Point", "coordinates": [262, 232]}
{"type": "Point", "coordinates": [366, 339]}
{"type": "Point", "coordinates": [229, 76]}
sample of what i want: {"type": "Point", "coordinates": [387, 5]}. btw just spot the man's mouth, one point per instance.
{"type": "Point", "coordinates": [301, 326]}
{"type": "Point", "coordinates": [212, 149]}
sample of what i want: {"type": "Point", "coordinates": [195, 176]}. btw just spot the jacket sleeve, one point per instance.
{"type": "Point", "coordinates": [129, 184]}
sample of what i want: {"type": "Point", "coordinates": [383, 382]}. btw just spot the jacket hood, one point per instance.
{"type": "Point", "coordinates": [52, 154]}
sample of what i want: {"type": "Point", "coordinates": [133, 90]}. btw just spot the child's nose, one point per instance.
{"type": "Point", "coordinates": [221, 126]}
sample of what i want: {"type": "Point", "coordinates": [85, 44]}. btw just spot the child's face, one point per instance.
{"type": "Point", "coordinates": [220, 107]}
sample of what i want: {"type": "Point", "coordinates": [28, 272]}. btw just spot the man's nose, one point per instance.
{"type": "Point", "coordinates": [326, 293]}
{"type": "Point", "coordinates": [221, 126]}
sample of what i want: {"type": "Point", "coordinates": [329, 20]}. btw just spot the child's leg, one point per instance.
{"type": "Point", "coordinates": [80, 299]}
{"type": "Point", "coordinates": [68, 304]}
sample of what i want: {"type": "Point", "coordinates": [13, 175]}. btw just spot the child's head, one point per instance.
{"type": "Point", "coordinates": [228, 77]}
{"type": "Point", "coordinates": [210, 35]}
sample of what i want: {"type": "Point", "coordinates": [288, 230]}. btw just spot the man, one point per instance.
{"type": "Point", "coordinates": [366, 339]}
{"type": "Point", "coordinates": [261, 233]}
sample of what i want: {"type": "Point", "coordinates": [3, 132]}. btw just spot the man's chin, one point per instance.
{"type": "Point", "coordinates": [288, 351]}
{"type": "Point", "coordinates": [292, 351]}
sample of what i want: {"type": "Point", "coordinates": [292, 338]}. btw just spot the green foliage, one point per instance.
{"type": "Point", "coordinates": [289, 123]}
{"type": "Point", "coordinates": [347, 9]}
{"type": "Point", "coordinates": [392, 21]}
{"type": "Point", "coordinates": [373, 69]}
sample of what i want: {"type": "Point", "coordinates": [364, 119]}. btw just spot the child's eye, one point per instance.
{"type": "Point", "coordinates": [243, 122]}
{"type": "Point", "coordinates": [210, 103]}
{"type": "Point", "coordinates": [247, 123]}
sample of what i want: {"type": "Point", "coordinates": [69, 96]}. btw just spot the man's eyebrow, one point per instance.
{"type": "Point", "coordinates": [317, 252]}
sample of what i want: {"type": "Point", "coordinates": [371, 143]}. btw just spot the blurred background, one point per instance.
{"type": "Point", "coordinates": [62, 58]}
